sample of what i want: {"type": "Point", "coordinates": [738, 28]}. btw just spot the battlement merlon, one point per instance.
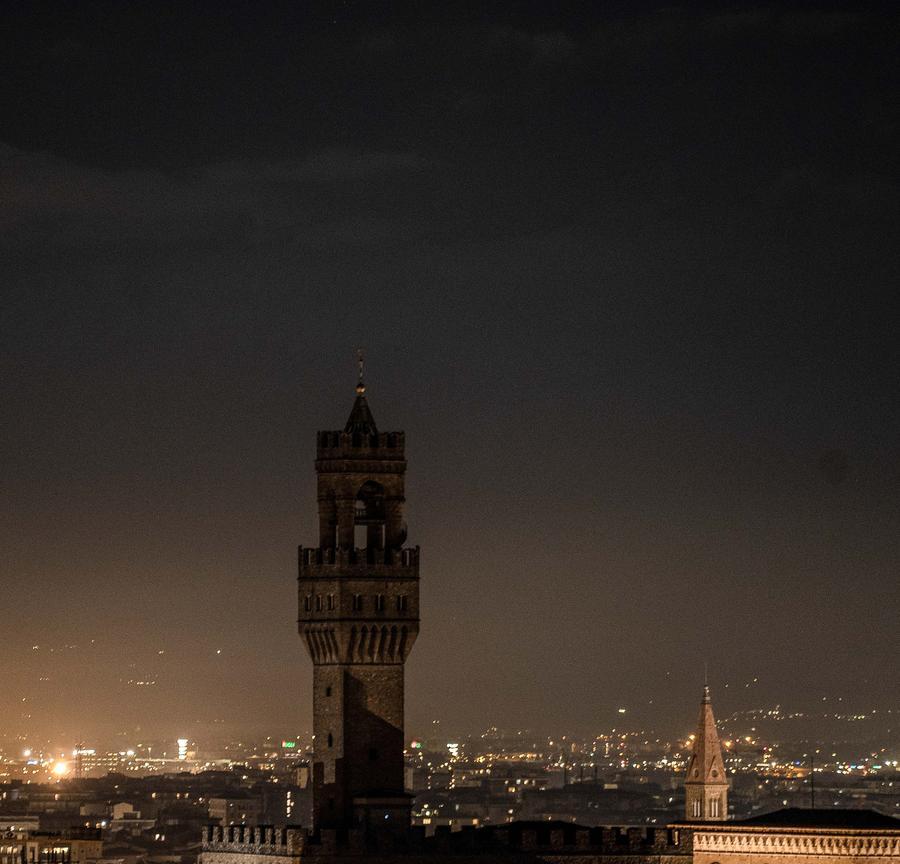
{"type": "Point", "coordinates": [257, 839]}
{"type": "Point", "coordinates": [330, 563]}
{"type": "Point", "coordinates": [340, 445]}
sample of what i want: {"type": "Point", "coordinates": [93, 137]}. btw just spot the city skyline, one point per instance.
{"type": "Point", "coordinates": [643, 360]}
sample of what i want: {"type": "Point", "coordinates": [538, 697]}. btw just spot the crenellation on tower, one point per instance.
{"type": "Point", "coordinates": [382, 445]}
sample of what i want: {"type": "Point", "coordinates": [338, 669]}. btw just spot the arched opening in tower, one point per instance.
{"type": "Point", "coordinates": [369, 516]}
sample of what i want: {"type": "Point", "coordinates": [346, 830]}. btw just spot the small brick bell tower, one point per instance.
{"type": "Point", "coordinates": [359, 618]}
{"type": "Point", "coordinates": [705, 785]}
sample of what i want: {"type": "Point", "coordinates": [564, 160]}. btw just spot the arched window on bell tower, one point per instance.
{"type": "Point", "coordinates": [369, 516]}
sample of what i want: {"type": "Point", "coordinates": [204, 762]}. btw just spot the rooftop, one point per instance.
{"type": "Point", "coordinates": [361, 421]}
{"type": "Point", "coordinates": [802, 817]}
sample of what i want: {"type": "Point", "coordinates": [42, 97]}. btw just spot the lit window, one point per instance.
{"type": "Point", "coordinates": [331, 602]}
{"type": "Point", "coordinates": [401, 602]}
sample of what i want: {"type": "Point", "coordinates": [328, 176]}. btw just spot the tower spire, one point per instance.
{"type": "Point", "coordinates": [360, 382]}
{"type": "Point", "coordinates": [361, 421]}
{"type": "Point", "coordinates": [705, 785]}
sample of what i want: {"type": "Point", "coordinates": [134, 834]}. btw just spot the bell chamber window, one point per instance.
{"type": "Point", "coordinates": [379, 602]}
{"type": "Point", "coordinates": [369, 516]}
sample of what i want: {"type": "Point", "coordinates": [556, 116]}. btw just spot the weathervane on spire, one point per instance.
{"type": "Point", "coordinates": [360, 384]}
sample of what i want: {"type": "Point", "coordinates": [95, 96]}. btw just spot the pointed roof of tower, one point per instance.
{"type": "Point", "coordinates": [361, 421]}
{"type": "Point", "coordinates": [706, 765]}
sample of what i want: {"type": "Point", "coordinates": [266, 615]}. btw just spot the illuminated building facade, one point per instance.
{"type": "Point", "coordinates": [81, 846]}
{"type": "Point", "coordinates": [800, 836]}
{"type": "Point", "coordinates": [359, 618]}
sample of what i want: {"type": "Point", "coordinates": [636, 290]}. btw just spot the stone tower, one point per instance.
{"type": "Point", "coordinates": [359, 618]}
{"type": "Point", "coordinates": [705, 786]}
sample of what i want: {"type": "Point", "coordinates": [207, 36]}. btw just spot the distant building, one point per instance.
{"type": "Point", "coordinates": [705, 785]}
{"type": "Point", "coordinates": [124, 817]}
{"type": "Point", "coordinates": [235, 810]}
{"type": "Point", "coordinates": [79, 846]}
{"type": "Point", "coordinates": [19, 824]}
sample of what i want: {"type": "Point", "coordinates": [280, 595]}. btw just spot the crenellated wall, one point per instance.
{"type": "Point", "coordinates": [562, 843]}
{"type": "Point", "coordinates": [528, 841]}
{"type": "Point", "coordinates": [382, 446]}
{"type": "Point", "coordinates": [322, 563]}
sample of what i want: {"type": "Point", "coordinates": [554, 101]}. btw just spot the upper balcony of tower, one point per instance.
{"type": "Point", "coordinates": [360, 438]}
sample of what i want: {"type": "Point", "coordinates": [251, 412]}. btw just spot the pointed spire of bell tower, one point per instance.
{"type": "Point", "coordinates": [705, 785]}
{"type": "Point", "coordinates": [361, 421]}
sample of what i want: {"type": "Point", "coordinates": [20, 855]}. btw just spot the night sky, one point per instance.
{"type": "Point", "coordinates": [627, 279]}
